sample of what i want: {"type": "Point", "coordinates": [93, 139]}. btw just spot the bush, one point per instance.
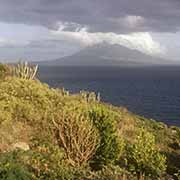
{"type": "Point", "coordinates": [3, 71]}
{"type": "Point", "coordinates": [76, 134]}
{"type": "Point", "coordinates": [112, 172]}
{"type": "Point", "coordinates": [111, 145]}
{"type": "Point", "coordinates": [27, 100]}
{"type": "Point", "coordinates": [44, 163]}
{"type": "Point", "coordinates": [143, 158]}
{"type": "Point", "coordinates": [12, 169]}
{"type": "Point", "coordinates": [29, 103]}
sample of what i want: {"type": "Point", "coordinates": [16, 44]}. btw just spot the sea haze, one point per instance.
{"type": "Point", "coordinates": [153, 92]}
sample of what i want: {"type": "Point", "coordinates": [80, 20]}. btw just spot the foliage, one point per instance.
{"type": "Point", "coordinates": [78, 137]}
{"type": "Point", "coordinates": [143, 158]}
{"type": "Point", "coordinates": [112, 172]}
{"type": "Point", "coordinates": [46, 162]}
{"type": "Point", "coordinates": [111, 146]}
{"type": "Point", "coordinates": [29, 104]}
{"type": "Point", "coordinates": [4, 71]}
{"type": "Point", "coordinates": [177, 174]}
{"type": "Point", "coordinates": [12, 169]}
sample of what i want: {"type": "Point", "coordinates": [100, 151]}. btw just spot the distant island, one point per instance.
{"type": "Point", "coordinates": [48, 133]}
{"type": "Point", "coordinates": [104, 54]}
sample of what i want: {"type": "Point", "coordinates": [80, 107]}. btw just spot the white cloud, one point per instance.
{"type": "Point", "coordinates": [140, 41]}
{"type": "Point", "coordinates": [69, 38]}
{"type": "Point", "coordinates": [69, 26]}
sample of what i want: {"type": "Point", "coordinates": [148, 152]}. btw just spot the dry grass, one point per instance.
{"type": "Point", "coordinates": [11, 133]}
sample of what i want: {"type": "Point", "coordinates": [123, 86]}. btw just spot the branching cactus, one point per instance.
{"type": "Point", "coordinates": [77, 135]}
{"type": "Point", "coordinates": [90, 96]}
{"type": "Point", "coordinates": [24, 70]}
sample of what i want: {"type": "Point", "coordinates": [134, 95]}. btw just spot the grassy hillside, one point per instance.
{"type": "Point", "coordinates": [47, 133]}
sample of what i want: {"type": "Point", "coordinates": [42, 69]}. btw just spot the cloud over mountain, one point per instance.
{"type": "Point", "coordinates": [140, 41]}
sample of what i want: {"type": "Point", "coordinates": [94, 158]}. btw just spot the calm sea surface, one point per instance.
{"type": "Point", "coordinates": [153, 92]}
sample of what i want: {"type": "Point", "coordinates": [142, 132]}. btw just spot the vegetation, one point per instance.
{"type": "Point", "coordinates": [111, 145]}
{"type": "Point", "coordinates": [143, 158]}
{"type": "Point", "coordinates": [4, 71]}
{"type": "Point", "coordinates": [76, 134]}
{"type": "Point", "coordinates": [25, 71]}
{"type": "Point", "coordinates": [47, 133]}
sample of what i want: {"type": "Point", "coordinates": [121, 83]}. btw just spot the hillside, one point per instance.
{"type": "Point", "coordinates": [107, 55]}
{"type": "Point", "coordinates": [47, 133]}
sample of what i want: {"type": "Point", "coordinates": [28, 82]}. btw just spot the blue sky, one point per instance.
{"type": "Point", "coordinates": [45, 30]}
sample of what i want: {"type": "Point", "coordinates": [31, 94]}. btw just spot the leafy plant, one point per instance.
{"type": "Point", "coordinates": [12, 169]}
{"type": "Point", "coordinates": [4, 71]}
{"type": "Point", "coordinates": [112, 172]}
{"type": "Point", "coordinates": [143, 158]}
{"type": "Point", "coordinates": [111, 145]}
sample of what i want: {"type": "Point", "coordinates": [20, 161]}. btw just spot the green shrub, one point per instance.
{"type": "Point", "coordinates": [12, 169]}
{"type": "Point", "coordinates": [112, 172]}
{"type": "Point", "coordinates": [29, 102]}
{"type": "Point", "coordinates": [3, 71]}
{"type": "Point", "coordinates": [26, 100]}
{"type": "Point", "coordinates": [143, 158]}
{"type": "Point", "coordinates": [177, 174]}
{"type": "Point", "coordinates": [46, 162]}
{"type": "Point", "coordinates": [111, 145]}
{"type": "Point", "coordinates": [43, 163]}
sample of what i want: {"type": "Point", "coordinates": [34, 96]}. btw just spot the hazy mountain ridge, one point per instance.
{"type": "Point", "coordinates": [108, 55]}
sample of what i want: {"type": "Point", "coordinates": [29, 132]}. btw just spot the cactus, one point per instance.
{"type": "Point", "coordinates": [64, 92]}
{"type": "Point", "coordinates": [24, 70]}
{"type": "Point", "coordinates": [90, 96]}
{"type": "Point", "coordinates": [98, 97]}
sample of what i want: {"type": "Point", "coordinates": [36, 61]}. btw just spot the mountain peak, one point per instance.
{"type": "Point", "coordinates": [104, 54]}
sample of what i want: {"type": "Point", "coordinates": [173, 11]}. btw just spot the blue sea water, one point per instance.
{"type": "Point", "coordinates": [153, 92]}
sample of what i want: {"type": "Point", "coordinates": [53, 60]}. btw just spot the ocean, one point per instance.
{"type": "Point", "coordinates": [153, 92]}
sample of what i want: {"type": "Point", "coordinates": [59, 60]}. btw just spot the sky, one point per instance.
{"type": "Point", "coordinates": [49, 29]}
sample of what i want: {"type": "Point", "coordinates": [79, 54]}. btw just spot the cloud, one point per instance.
{"type": "Point", "coordinates": [140, 41]}
{"type": "Point", "coordinates": [54, 44]}
{"type": "Point", "coordinates": [118, 16]}
{"type": "Point", "coordinates": [36, 50]}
